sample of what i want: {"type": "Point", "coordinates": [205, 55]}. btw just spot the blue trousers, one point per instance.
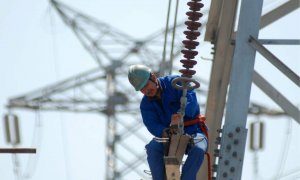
{"type": "Point", "coordinates": [195, 155]}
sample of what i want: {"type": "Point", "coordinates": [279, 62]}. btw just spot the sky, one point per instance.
{"type": "Point", "coordinates": [37, 49]}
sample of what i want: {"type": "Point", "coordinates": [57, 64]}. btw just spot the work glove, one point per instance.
{"type": "Point", "coordinates": [175, 119]}
{"type": "Point", "coordinates": [166, 133]}
{"type": "Point", "coordinates": [173, 129]}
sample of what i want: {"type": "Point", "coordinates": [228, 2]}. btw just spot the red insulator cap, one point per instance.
{"type": "Point", "coordinates": [190, 44]}
{"type": "Point", "coordinates": [191, 35]}
{"type": "Point", "coordinates": [189, 54]}
{"type": "Point", "coordinates": [187, 72]}
{"type": "Point", "coordinates": [191, 25]}
{"type": "Point", "coordinates": [195, 6]}
{"type": "Point", "coordinates": [188, 63]}
{"type": "Point", "coordinates": [185, 51]}
{"type": "Point", "coordinates": [194, 16]}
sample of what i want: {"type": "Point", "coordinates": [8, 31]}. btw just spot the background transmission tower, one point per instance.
{"type": "Point", "coordinates": [104, 90]}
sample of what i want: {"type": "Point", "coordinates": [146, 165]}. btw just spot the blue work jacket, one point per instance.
{"type": "Point", "coordinates": [157, 114]}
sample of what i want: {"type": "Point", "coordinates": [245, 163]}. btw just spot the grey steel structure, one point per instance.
{"type": "Point", "coordinates": [237, 69]}
{"type": "Point", "coordinates": [114, 51]}
{"type": "Point", "coordinates": [105, 89]}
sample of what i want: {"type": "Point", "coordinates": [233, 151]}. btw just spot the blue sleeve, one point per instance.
{"type": "Point", "coordinates": [151, 121]}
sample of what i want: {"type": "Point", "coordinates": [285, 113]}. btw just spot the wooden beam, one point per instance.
{"type": "Point", "coordinates": [217, 30]}
{"type": "Point", "coordinates": [220, 75]}
{"type": "Point", "coordinates": [213, 20]}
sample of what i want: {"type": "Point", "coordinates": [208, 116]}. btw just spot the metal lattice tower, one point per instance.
{"type": "Point", "coordinates": [234, 64]}
{"type": "Point", "coordinates": [105, 90]}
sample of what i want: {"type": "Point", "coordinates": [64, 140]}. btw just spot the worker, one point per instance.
{"type": "Point", "coordinates": [159, 110]}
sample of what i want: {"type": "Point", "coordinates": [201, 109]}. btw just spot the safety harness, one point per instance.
{"type": "Point", "coordinates": [200, 120]}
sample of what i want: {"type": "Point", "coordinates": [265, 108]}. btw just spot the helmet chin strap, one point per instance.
{"type": "Point", "coordinates": [152, 76]}
{"type": "Point", "coordinates": [158, 91]}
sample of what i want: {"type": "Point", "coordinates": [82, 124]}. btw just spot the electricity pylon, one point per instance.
{"type": "Point", "coordinates": [105, 89]}
{"type": "Point", "coordinates": [234, 64]}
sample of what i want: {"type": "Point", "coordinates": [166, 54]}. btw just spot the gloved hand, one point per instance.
{"type": "Point", "coordinates": [166, 133]}
{"type": "Point", "coordinates": [175, 119]}
{"type": "Point", "coordinates": [173, 129]}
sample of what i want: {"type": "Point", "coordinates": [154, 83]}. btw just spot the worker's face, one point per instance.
{"type": "Point", "coordinates": [150, 89]}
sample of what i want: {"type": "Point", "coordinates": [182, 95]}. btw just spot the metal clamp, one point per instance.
{"type": "Point", "coordinates": [185, 83]}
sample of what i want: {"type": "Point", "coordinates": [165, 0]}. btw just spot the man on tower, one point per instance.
{"type": "Point", "coordinates": [159, 109]}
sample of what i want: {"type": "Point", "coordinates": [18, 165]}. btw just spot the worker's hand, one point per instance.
{"type": "Point", "coordinates": [165, 133]}
{"type": "Point", "coordinates": [173, 129]}
{"type": "Point", "coordinates": [175, 119]}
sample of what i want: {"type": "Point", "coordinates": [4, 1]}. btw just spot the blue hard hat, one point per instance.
{"type": "Point", "coordinates": [138, 76]}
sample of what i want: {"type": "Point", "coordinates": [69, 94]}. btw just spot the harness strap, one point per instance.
{"type": "Point", "coordinates": [200, 120]}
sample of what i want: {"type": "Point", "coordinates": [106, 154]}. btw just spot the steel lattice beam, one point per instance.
{"type": "Point", "coordinates": [113, 51]}
{"type": "Point", "coordinates": [105, 89]}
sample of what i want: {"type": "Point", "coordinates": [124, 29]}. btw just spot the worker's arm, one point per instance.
{"type": "Point", "coordinates": [151, 121]}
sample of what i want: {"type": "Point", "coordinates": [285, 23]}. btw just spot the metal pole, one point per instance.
{"type": "Point", "coordinates": [275, 61]}
{"type": "Point", "coordinates": [111, 130]}
{"type": "Point", "coordinates": [17, 150]}
{"type": "Point", "coordinates": [276, 96]}
{"type": "Point", "coordinates": [280, 41]}
{"type": "Point", "coordinates": [234, 133]}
